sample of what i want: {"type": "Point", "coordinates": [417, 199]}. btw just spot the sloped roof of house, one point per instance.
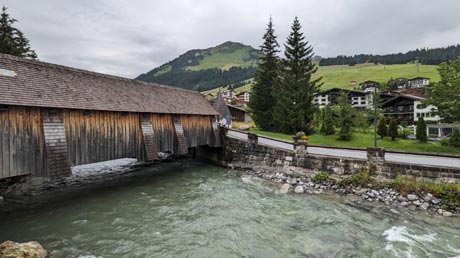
{"type": "Point", "coordinates": [418, 78]}
{"type": "Point", "coordinates": [339, 90]}
{"type": "Point", "coordinates": [406, 96]}
{"type": "Point", "coordinates": [220, 105]}
{"type": "Point", "coordinates": [39, 84]}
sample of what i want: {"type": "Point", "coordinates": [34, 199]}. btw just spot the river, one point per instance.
{"type": "Point", "coordinates": [207, 211]}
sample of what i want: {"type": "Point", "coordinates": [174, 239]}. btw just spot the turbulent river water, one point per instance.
{"type": "Point", "coordinates": [207, 211]}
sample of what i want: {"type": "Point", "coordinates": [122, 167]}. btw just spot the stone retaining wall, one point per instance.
{"type": "Point", "coordinates": [251, 155]}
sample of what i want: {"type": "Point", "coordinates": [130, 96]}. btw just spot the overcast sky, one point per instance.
{"type": "Point", "coordinates": [127, 38]}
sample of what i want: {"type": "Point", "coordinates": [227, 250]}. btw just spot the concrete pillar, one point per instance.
{"type": "Point", "coordinates": [253, 139]}
{"type": "Point", "coordinates": [376, 160]}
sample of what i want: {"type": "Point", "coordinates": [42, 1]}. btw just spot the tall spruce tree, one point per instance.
{"type": "Point", "coordinates": [295, 87]}
{"type": "Point", "coordinates": [12, 40]}
{"type": "Point", "coordinates": [262, 98]}
{"type": "Point", "coordinates": [421, 130]}
{"type": "Point", "coordinates": [346, 117]}
{"type": "Point", "coordinates": [382, 128]}
{"type": "Point", "coordinates": [393, 129]}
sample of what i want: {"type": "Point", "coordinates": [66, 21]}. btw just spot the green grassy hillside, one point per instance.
{"type": "Point", "coordinates": [204, 69]}
{"type": "Point", "coordinates": [341, 76]}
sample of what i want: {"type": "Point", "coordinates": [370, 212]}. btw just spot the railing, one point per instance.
{"type": "Point", "coordinates": [432, 159]}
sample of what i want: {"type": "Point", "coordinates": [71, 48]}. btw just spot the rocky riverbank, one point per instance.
{"type": "Point", "coordinates": [385, 195]}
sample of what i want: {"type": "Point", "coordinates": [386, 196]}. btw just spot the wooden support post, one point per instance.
{"type": "Point", "coordinates": [183, 148]}
{"type": "Point", "coordinates": [150, 140]}
{"type": "Point", "coordinates": [57, 154]}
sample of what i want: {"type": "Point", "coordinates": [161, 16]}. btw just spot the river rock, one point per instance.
{"type": "Point", "coordinates": [435, 201]}
{"type": "Point", "coordinates": [412, 207]}
{"type": "Point", "coordinates": [10, 249]}
{"type": "Point", "coordinates": [404, 204]}
{"type": "Point", "coordinates": [402, 198]}
{"type": "Point", "coordinates": [428, 197]}
{"type": "Point", "coordinates": [417, 203]}
{"type": "Point", "coordinates": [425, 206]}
{"type": "Point", "coordinates": [412, 197]}
{"type": "Point", "coordinates": [447, 214]}
{"type": "Point", "coordinates": [360, 191]}
{"type": "Point", "coordinates": [298, 189]}
{"type": "Point", "coordinates": [285, 188]}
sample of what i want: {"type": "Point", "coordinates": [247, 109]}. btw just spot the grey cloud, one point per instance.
{"type": "Point", "coordinates": [127, 38]}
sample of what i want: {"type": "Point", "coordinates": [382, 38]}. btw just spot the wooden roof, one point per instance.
{"type": "Point", "coordinates": [26, 82]}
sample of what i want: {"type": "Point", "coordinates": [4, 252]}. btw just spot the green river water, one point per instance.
{"type": "Point", "coordinates": [205, 211]}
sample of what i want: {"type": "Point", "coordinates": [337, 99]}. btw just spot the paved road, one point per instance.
{"type": "Point", "coordinates": [359, 154]}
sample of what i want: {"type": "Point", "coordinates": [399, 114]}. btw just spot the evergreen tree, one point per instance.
{"type": "Point", "coordinates": [329, 128]}
{"type": "Point", "coordinates": [262, 98]}
{"type": "Point", "coordinates": [454, 140]}
{"type": "Point", "coordinates": [323, 120]}
{"type": "Point", "coordinates": [445, 95]}
{"type": "Point", "coordinates": [421, 130]}
{"type": "Point", "coordinates": [12, 40]}
{"type": "Point", "coordinates": [346, 117]}
{"type": "Point", "coordinates": [393, 129]}
{"type": "Point", "coordinates": [382, 129]}
{"type": "Point", "coordinates": [295, 87]}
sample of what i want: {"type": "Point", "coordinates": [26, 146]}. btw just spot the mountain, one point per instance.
{"type": "Point", "coordinates": [230, 63]}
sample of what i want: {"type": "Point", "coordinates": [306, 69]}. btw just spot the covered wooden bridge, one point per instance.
{"type": "Point", "coordinates": [53, 117]}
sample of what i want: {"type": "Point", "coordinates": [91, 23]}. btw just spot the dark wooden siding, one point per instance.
{"type": "Point", "coordinates": [198, 130]}
{"type": "Point", "coordinates": [22, 147]}
{"type": "Point", "coordinates": [163, 127]}
{"type": "Point", "coordinates": [94, 136]}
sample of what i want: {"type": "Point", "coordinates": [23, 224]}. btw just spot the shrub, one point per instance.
{"type": "Point", "coordinates": [421, 130]}
{"type": "Point", "coordinates": [448, 192]}
{"type": "Point", "coordinates": [320, 177]}
{"type": "Point", "coordinates": [444, 142]}
{"type": "Point", "coordinates": [454, 140]}
{"type": "Point", "coordinates": [382, 129]}
{"type": "Point", "coordinates": [405, 132]}
{"type": "Point", "coordinates": [360, 178]}
{"type": "Point", "coordinates": [393, 129]}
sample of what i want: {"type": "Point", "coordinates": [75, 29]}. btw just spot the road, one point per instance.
{"type": "Point", "coordinates": [358, 154]}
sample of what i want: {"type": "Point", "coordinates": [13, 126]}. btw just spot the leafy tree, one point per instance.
{"type": "Point", "coordinates": [12, 40]}
{"type": "Point", "coordinates": [382, 129]}
{"type": "Point", "coordinates": [393, 129]}
{"type": "Point", "coordinates": [454, 140]}
{"type": "Point", "coordinates": [329, 128]}
{"type": "Point", "coordinates": [361, 120]}
{"type": "Point", "coordinates": [421, 130]}
{"type": "Point", "coordinates": [262, 98]}
{"type": "Point", "coordinates": [295, 87]}
{"type": "Point", "coordinates": [446, 94]}
{"type": "Point", "coordinates": [346, 117]}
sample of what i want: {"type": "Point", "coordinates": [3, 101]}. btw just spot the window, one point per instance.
{"type": "Point", "coordinates": [411, 108]}
{"type": "Point", "coordinates": [400, 108]}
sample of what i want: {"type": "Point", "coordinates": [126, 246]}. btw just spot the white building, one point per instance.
{"type": "Point", "coordinates": [358, 99]}
{"type": "Point", "coordinates": [427, 112]}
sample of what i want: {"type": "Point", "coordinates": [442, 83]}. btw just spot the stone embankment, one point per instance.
{"type": "Point", "coordinates": [385, 195]}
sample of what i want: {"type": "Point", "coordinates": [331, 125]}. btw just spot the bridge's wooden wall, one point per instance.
{"type": "Point", "coordinates": [90, 136]}
{"type": "Point", "coordinates": [22, 147]}
{"type": "Point", "coordinates": [197, 129]}
{"type": "Point", "coordinates": [94, 136]}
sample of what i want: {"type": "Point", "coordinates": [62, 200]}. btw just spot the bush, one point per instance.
{"type": "Point", "coordinates": [421, 130]}
{"type": "Point", "coordinates": [360, 178]}
{"type": "Point", "coordinates": [444, 142]}
{"type": "Point", "coordinates": [448, 192]}
{"type": "Point", "coordinates": [382, 129]}
{"type": "Point", "coordinates": [320, 177]}
{"type": "Point", "coordinates": [405, 132]}
{"type": "Point", "coordinates": [393, 129]}
{"type": "Point", "coordinates": [454, 140]}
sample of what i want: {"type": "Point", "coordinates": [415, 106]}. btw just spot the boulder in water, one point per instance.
{"type": "Point", "coordinates": [244, 127]}
{"type": "Point", "coordinates": [286, 188]}
{"type": "Point", "coordinates": [10, 249]}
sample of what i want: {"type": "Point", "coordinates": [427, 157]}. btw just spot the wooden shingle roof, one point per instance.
{"type": "Point", "coordinates": [39, 84]}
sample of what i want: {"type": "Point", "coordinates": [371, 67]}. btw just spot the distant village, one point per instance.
{"type": "Point", "coordinates": [403, 102]}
